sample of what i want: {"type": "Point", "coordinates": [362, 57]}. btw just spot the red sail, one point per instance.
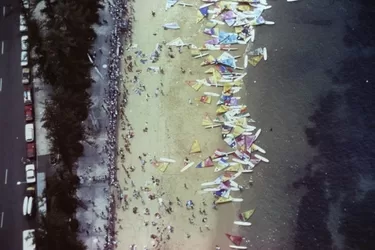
{"type": "Point", "coordinates": [235, 239]}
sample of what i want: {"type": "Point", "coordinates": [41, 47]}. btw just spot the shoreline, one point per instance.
{"type": "Point", "coordinates": [164, 115]}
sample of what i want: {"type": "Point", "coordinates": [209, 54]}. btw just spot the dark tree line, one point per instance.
{"type": "Point", "coordinates": [59, 46]}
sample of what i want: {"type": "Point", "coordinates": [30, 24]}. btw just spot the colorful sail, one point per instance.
{"type": "Point", "coordinates": [235, 239]}
{"type": "Point", "coordinates": [195, 85]}
{"type": "Point", "coordinates": [211, 31]}
{"type": "Point", "coordinates": [202, 12]}
{"type": "Point", "coordinates": [221, 164]}
{"type": "Point", "coordinates": [206, 163]}
{"type": "Point", "coordinates": [205, 99]}
{"type": "Point", "coordinates": [222, 193]}
{"type": "Point", "coordinates": [218, 154]}
{"type": "Point", "coordinates": [225, 130]}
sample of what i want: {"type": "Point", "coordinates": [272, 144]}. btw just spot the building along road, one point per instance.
{"type": "Point", "coordinates": [12, 135]}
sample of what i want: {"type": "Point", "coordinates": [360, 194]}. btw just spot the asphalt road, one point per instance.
{"type": "Point", "coordinates": [12, 142]}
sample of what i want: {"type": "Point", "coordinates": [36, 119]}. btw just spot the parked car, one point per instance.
{"type": "Point", "coordinates": [27, 96]}
{"type": "Point", "coordinates": [30, 191]}
{"type": "Point", "coordinates": [29, 113]}
{"type": "Point", "coordinates": [25, 76]}
{"type": "Point", "coordinates": [30, 173]}
{"type": "Point", "coordinates": [26, 4]}
{"type": "Point", "coordinates": [30, 150]}
{"type": "Point", "coordinates": [24, 43]}
{"type": "Point", "coordinates": [29, 132]}
{"type": "Point", "coordinates": [24, 59]}
{"type": "Point", "coordinates": [23, 26]}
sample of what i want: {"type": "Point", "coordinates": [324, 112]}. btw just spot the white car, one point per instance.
{"type": "Point", "coordinates": [30, 173]}
{"type": "Point", "coordinates": [29, 132]}
{"type": "Point", "coordinates": [24, 42]}
{"type": "Point", "coordinates": [23, 27]}
{"type": "Point", "coordinates": [26, 4]}
{"type": "Point", "coordinates": [24, 59]}
{"type": "Point", "coordinates": [25, 76]}
{"type": "Point", "coordinates": [27, 96]}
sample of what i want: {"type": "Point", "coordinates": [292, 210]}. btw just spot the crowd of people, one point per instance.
{"type": "Point", "coordinates": [121, 26]}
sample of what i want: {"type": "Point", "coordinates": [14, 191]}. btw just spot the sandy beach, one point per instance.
{"type": "Point", "coordinates": [164, 115]}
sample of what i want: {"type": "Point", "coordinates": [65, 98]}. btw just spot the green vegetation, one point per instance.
{"type": "Point", "coordinates": [59, 46]}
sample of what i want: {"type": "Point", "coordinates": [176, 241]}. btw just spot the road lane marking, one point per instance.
{"type": "Point", "coordinates": [6, 176]}
{"type": "Point", "coordinates": [4, 10]}
{"type": "Point", "coordinates": [2, 219]}
{"type": "Point", "coordinates": [2, 47]}
{"type": "Point", "coordinates": [1, 84]}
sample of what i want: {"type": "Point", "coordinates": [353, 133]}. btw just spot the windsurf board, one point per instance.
{"type": "Point", "coordinates": [237, 247]}
{"type": "Point", "coordinates": [235, 176]}
{"type": "Point", "coordinates": [211, 189]}
{"type": "Point", "coordinates": [261, 158]}
{"type": "Point", "coordinates": [167, 160]}
{"type": "Point", "coordinates": [247, 171]}
{"type": "Point", "coordinates": [237, 200]}
{"type": "Point", "coordinates": [256, 147]}
{"type": "Point", "coordinates": [269, 22]}
{"type": "Point", "coordinates": [211, 94]}
{"type": "Point", "coordinates": [252, 34]}
{"type": "Point", "coordinates": [185, 4]}
{"type": "Point", "coordinates": [187, 166]}
{"type": "Point", "coordinates": [265, 54]}
{"type": "Point", "coordinates": [257, 133]}
{"type": "Point", "coordinates": [242, 223]}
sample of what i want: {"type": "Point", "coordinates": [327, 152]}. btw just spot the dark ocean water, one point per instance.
{"type": "Point", "coordinates": [317, 93]}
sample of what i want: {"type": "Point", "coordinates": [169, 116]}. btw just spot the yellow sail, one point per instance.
{"type": "Point", "coordinates": [222, 200]}
{"type": "Point", "coordinates": [209, 60]}
{"type": "Point", "coordinates": [162, 166]}
{"type": "Point", "coordinates": [195, 147]}
{"type": "Point", "coordinates": [210, 70]}
{"type": "Point", "coordinates": [207, 121]}
{"type": "Point", "coordinates": [235, 168]}
{"type": "Point", "coordinates": [195, 52]}
{"type": "Point", "coordinates": [255, 60]}
{"type": "Point", "coordinates": [244, 7]}
{"type": "Point", "coordinates": [242, 122]}
{"type": "Point", "coordinates": [222, 109]}
{"type": "Point", "coordinates": [237, 131]}
{"type": "Point", "coordinates": [245, 216]}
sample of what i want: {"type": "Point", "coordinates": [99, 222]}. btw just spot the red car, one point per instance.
{"type": "Point", "coordinates": [29, 113]}
{"type": "Point", "coordinates": [30, 150]}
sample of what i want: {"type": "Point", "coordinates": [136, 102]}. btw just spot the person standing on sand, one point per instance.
{"type": "Point", "coordinates": [186, 161]}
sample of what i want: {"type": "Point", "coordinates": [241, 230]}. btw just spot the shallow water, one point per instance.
{"type": "Point", "coordinates": [316, 92]}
